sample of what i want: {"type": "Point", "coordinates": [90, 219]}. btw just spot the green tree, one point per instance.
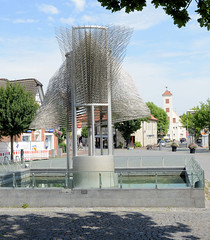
{"type": "Point", "coordinates": [60, 134]}
{"type": "Point", "coordinates": [178, 9]}
{"type": "Point", "coordinates": [17, 110]}
{"type": "Point", "coordinates": [162, 117]}
{"type": "Point", "coordinates": [84, 132]}
{"type": "Point", "coordinates": [188, 123]}
{"type": "Point", "coordinates": [201, 117]}
{"type": "Point", "coordinates": [128, 127]}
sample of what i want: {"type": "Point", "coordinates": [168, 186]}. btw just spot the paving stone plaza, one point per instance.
{"type": "Point", "coordinates": [107, 223]}
{"type": "Point", "coordinates": [111, 223]}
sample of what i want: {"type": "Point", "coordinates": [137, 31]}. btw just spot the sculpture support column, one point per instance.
{"type": "Point", "coordinates": [109, 111]}
{"type": "Point", "coordinates": [69, 162]}
{"type": "Point", "coordinates": [93, 130]}
{"type": "Point", "coordinates": [101, 135]}
{"type": "Point", "coordinates": [74, 114]}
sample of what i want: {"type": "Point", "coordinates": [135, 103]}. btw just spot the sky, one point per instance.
{"type": "Point", "coordinates": [159, 54]}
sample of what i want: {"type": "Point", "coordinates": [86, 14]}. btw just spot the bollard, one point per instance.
{"type": "Point", "coordinates": [120, 180]}
{"type": "Point", "coordinates": [21, 156]}
{"type": "Point", "coordinates": [13, 180]}
{"type": "Point", "coordinates": [33, 180]}
{"type": "Point", "coordinates": [100, 181]}
{"type": "Point", "coordinates": [156, 180]}
{"type": "Point", "coordinates": [192, 180]}
{"type": "Point", "coordinates": [66, 180]}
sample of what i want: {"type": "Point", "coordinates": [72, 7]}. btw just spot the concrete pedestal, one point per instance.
{"type": "Point", "coordinates": [93, 172]}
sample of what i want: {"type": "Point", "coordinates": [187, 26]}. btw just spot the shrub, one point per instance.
{"type": "Point", "coordinates": [138, 144]}
{"type": "Point", "coordinates": [120, 145]}
{"type": "Point", "coordinates": [63, 146]}
{"type": "Point", "coordinates": [174, 144]}
{"type": "Point", "coordinates": [25, 205]}
{"type": "Point", "coordinates": [192, 146]}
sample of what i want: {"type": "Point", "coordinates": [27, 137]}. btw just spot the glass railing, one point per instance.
{"type": "Point", "coordinates": [172, 179]}
{"type": "Point", "coordinates": [195, 173]}
{"type": "Point", "coordinates": [6, 167]}
{"type": "Point", "coordinates": [150, 161]}
{"type": "Point", "coordinates": [119, 162]}
{"type": "Point", "coordinates": [130, 172]}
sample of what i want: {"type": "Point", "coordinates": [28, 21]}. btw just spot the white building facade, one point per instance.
{"type": "Point", "coordinates": [176, 131]}
{"type": "Point", "coordinates": [146, 135]}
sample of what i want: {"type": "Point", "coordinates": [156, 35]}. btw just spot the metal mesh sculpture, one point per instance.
{"type": "Point", "coordinates": [92, 64]}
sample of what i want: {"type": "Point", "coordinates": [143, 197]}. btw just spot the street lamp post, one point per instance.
{"type": "Point", "coordinates": [191, 111]}
{"type": "Point", "coordinates": [160, 145]}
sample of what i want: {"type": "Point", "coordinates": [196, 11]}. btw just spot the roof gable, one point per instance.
{"type": "Point", "coordinates": [3, 82]}
{"type": "Point", "coordinates": [167, 93]}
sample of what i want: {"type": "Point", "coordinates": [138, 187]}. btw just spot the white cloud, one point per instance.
{"type": "Point", "coordinates": [188, 89]}
{"type": "Point", "coordinates": [139, 20]}
{"type": "Point", "coordinates": [69, 20]}
{"type": "Point", "coordinates": [50, 19]}
{"type": "Point", "coordinates": [89, 19]}
{"type": "Point", "coordinates": [31, 66]}
{"type": "Point", "coordinates": [5, 19]}
{"type": "Point", "coordinates": [80, 4]}
{"type": "Point", "coordinates": [179, 54]}
{"type": "Point", "coordinates": [201, 43]}
{"type": "Point", "coordinates": [150, 78]}
{"type": "Point", "coordinates": [25, 20]}
{"type": "Point", "coordinates": [20, 12]}
{"type": "Point", "coordinates": [50, 9]}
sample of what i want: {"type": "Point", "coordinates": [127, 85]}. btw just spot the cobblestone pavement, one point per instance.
{"type": "Point", "coordinates": [104, 223]}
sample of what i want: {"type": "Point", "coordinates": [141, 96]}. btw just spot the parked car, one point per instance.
{"type": "Point", "coordinates": [166, 140]}
{"type": "Point", "coordinates": [199, 142]}
{"type": "Point", "coordinates": [183, 140]}
{"type": "Point", "coordinates": [162, 142]}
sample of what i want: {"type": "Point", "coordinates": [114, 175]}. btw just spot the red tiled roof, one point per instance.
{"type": "Point", "coordinates": [30, 84]}
{"type": "Point", "coordinates": [167, 93]}
{"type": "Point", "coordinates": [3, 82]}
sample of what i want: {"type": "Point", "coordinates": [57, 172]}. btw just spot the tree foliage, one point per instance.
{"type": "Point", "coordinates": [162, 117]}
{"type": "Point", "coordinates": [84, 132]}
{"type": "Point", "coordinates": [17, 110]}
{"type": "Point", "coordinates": [128, 127]}
{"type": "Point", "coordinates": [188, 123]}
{"type": "Point", "coordinates": [198, 120]}
{"type": "Point", "coordinates": [60, 134]}
{"type": "Point", "coordinates": [177, 9]}
{"type": "Point", "coordinates": [201, 117]}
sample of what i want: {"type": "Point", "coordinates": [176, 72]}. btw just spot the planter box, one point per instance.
{"type": "Point", "coordinates": [192, 150]}
{"type": "Point", "coordinates": [174, 149]}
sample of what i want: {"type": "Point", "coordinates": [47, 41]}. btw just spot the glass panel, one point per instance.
{"type": "Point", "coordinates": [152, 161]}
{"type": "Point", "coordinates": [175, 161]}
{"type": "Point", "coordinates": [134, 162]}
{"type": "Point", "coordinates": [136, 180]}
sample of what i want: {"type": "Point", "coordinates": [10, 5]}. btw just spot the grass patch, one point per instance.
{"type": "Point", "coordinates": [207, 190]}
{"type": "Point", "coordinates": [25, 205]}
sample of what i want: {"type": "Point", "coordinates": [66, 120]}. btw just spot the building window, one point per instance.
{"type": "Point", "coordinates": [169, 119]}
{"type": "Point", "coordinates": [37, 135]}
{"type": "Point", "coordinates": [49, 142]}
{"type": "Point", "coordinates": [174, 120]}
{"type": "Point", "coordinates": [167, 110]}
{"type": "Point", "coordinates": [167, 100]}
{"type": "Point", "coordinates": [26, 138]}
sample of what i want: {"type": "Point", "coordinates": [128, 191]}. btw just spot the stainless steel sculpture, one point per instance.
{"type": "Point", "coordinates": [91, 87]}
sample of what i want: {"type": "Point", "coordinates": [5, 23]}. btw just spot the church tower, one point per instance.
{"type": "Point", "coordinates": [168, 108]}
{"type": "Point", "coordinates": [175, 131]}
